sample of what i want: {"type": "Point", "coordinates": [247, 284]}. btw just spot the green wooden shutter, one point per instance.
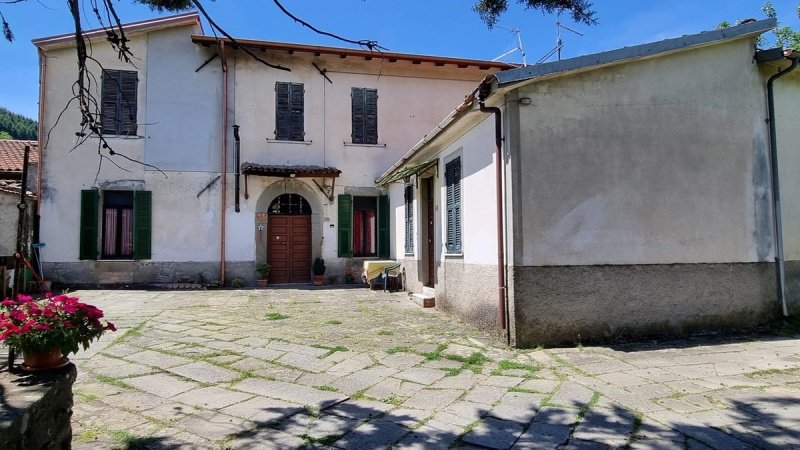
{"type": "Point", "coordinates": [345, 226]}
{"type": "Point", "coordinates": [142, 224]}
{"type": "Point", "coordinates": [128, 82]}
{"type": "Point", "coordinates": [357, 112]}
{"type": "Point", "coordinates": [370, 116]}
{"type": "Point", "coordinates": [88, 231]}
{"type": "Point", "coordinates": [383, 226]}
{"type": "Point", "coordinates": [409, 222]}
{"type": "Point", "coordinates": [452, 175]}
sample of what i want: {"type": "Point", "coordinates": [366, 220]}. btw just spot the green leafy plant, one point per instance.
{"type": "Point", "coordinates": [263, 270]}
{"type": "Point", "coordinates": [237, 283]}
{"type": "Point", "coordinates": [55, 322]}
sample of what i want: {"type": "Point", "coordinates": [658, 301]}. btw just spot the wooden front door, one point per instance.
{"type": "Point", "coordinates": [428, 187]}
{"type": "Point", "coordinates": [289, 249]}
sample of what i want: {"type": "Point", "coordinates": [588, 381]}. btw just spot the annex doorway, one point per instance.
{"type": "Point", "coordinates": [289, 239]}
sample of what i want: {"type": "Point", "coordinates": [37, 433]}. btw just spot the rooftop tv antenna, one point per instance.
{"type": "Point", "coordinates": [518, 48]}
{"type": "Point", "coordinates": [559, 42]}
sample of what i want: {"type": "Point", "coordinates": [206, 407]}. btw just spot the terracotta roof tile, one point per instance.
{"type": "Point", "coordinates": [12, 154]}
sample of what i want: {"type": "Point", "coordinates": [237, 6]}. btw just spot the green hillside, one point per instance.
{"type": "Point", "coordinates": [17, 126]}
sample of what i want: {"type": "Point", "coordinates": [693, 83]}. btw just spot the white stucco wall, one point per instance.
{"type": "Point", "coordinates": [653, 162]}
{"type": "Point", "coordinates": [179, 133]}
{"type": "Point", "coordinates": [787, 114]}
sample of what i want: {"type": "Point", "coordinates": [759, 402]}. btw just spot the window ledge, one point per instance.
{"type": "Point", "coordinates": [350, 144]}
{"type": "Point", "coordinates": [115, 260]}
{"type": "Point", "coordinates": [281, 141]}
{"type": "Point", "coordinates": [454, 255]}
{"type": "Point", "coordinates": [117, 136]}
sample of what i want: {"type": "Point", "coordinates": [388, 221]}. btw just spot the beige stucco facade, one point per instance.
{"type": "Point", "coordinates": [180, 140]}
{"type": "Point", "coordinates": [636, 196]}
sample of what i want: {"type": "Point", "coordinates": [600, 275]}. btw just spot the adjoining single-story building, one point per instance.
{"type": "Point", "coordinates": [628, 192]}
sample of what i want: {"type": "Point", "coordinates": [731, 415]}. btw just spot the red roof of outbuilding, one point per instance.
{"type": "Point", "coordinates": [12, 154]}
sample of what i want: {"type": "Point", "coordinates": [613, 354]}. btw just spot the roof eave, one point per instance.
{"type": "Point", "coordinates": [635, 52]}
{"type": "Point", "coordinates": [68, 39]}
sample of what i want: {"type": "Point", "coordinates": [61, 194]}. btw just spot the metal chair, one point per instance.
{"type": "Point", "coordinates": [396, 271]}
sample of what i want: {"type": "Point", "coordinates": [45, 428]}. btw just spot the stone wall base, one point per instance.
{"type": "Point", "coordinates": [572, 304]}
{"type": "Point", "coordinates": [36, 409]}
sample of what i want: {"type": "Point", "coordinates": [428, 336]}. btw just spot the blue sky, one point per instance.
{"type": "Point", "coordinates": [434, 27]}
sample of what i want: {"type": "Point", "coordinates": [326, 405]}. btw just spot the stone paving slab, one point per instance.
{"type": "Point", "coordinates": [162, 385]}
{"type": "Point", "coordinates": [206, 370]}
{"type": "Point", "coordinates": [289, 392]}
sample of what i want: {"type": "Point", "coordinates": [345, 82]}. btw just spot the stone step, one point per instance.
{"type": "Point", "coordinates": [429, 291]}
{"type": "Point", "coordinates": [426, 301]}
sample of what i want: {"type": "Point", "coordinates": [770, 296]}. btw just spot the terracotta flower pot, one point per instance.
{"type": "Point", "coordinates": [319, 280]}
{"type": "Point", "coordinates": [36, 361]}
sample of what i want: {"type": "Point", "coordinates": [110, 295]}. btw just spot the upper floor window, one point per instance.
{"type": "Point", "coordinates": [365, 115]}
{"type": "Point", "coordinates": [289, 111]}
{"type": "Point", "coordinates": [118, 102]}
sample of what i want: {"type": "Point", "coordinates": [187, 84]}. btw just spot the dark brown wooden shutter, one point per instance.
{"type": "Point", "coordinates": [128, 83]}
{"type": "Point", "coordinates": [370, 116]}
{"type": "Point", "coordinates": [118, 97]}
{"type": "Point", "coordinates": [357, 112]}
{"type": "Point", "coordinates": [282, 112]}
{"type": "Point", "coordinates": [365, 115]}
{"type": "Point", "coordinates": [296, 94]}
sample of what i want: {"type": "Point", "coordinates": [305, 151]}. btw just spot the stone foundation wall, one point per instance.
{"type": "Point", "coordinates": [792, 272]}
{"type": "Point", "coordinates": [142, 273]}
{"type": "Point", "coordinates": [571, 304]}
{"type": "Point", "coordinates": [35, 411]}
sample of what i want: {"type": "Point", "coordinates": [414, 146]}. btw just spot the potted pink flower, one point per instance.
{"type": "Point", "coordinates": [48, 330]}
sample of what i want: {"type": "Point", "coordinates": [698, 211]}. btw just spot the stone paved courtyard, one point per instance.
{"type": "Point", "coordinates": [354, 369]}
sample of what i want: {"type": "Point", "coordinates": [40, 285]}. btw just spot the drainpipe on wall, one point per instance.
{"type": "Point", "coordinates": [776, 192]}
{"type": "Point", "coordinates": [223, 59]}
{"type": "Point", "coordinates": [237, 148]}
{"type": "Point", "coordinates": [501, 265]}
{"type": "Point", "coordinates": [40, 130]}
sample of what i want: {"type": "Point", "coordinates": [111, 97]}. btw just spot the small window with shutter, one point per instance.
{"type": "Point", "coordinates": [409, 218]}
{"type": "Point", "coordinates": [118, 102]}
{"type": "Point", "coordinates": [452, 176]}
{"type": "Point", "coordinates": [365, 115]}
{"type": "Point", "coordinates": [289, 111]}
{"type": "Point", "coordinates": [120, 221]}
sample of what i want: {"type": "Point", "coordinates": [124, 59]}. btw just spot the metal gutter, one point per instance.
{"type": "Point", "coordinates": [776, 190]}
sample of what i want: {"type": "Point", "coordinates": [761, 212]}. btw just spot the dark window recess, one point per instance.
{"type": "Point", "coordinates": [452, 175]}
{"type": "Point", "coordinates": [409, 230]}
{"type": "Point", "coordinates": [290, 204]}
{"type": "Point", "coordinates": [289, 111]}
{"type": "Point", "coordinates": [117, 224]}
{"type": "Point", "coordinates": [365, 115]}
{"type": "Point", "coordinates": [118, 102]}
{"type": "Point", "coordinates": [365, 226]}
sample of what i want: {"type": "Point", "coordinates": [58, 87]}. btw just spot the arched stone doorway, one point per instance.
{"type": "Point", "coordinates": [289, 239]}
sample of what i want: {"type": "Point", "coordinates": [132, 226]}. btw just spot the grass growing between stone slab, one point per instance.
{"type": "Point", "coordinates": [768, 372]}
{"type": "Point", "coordinates": [473, 362]}
{"type": "Point", "coordinates": [436, 354]}
{"type": "Point", "coordinates": [276, 316]}
{"type": "Point", "coordinates": [130, 333]}
{"type": "Point", "coordinates": [325, 387]}
{"type": "Point", "coordinates": [385, 333]}
{"type": "Point", "coordinates": [394, 350]}
{"type": "Point", "coordinates": [507, 364]}
{"type": "Point", "coordinates": [333, 322]}
{"type": "Point", "coordinates": [115, 382]}
{"type": "Point", "coordinates": [593, 401]}
{"type": "Point", "coordinates": [331, 350]}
